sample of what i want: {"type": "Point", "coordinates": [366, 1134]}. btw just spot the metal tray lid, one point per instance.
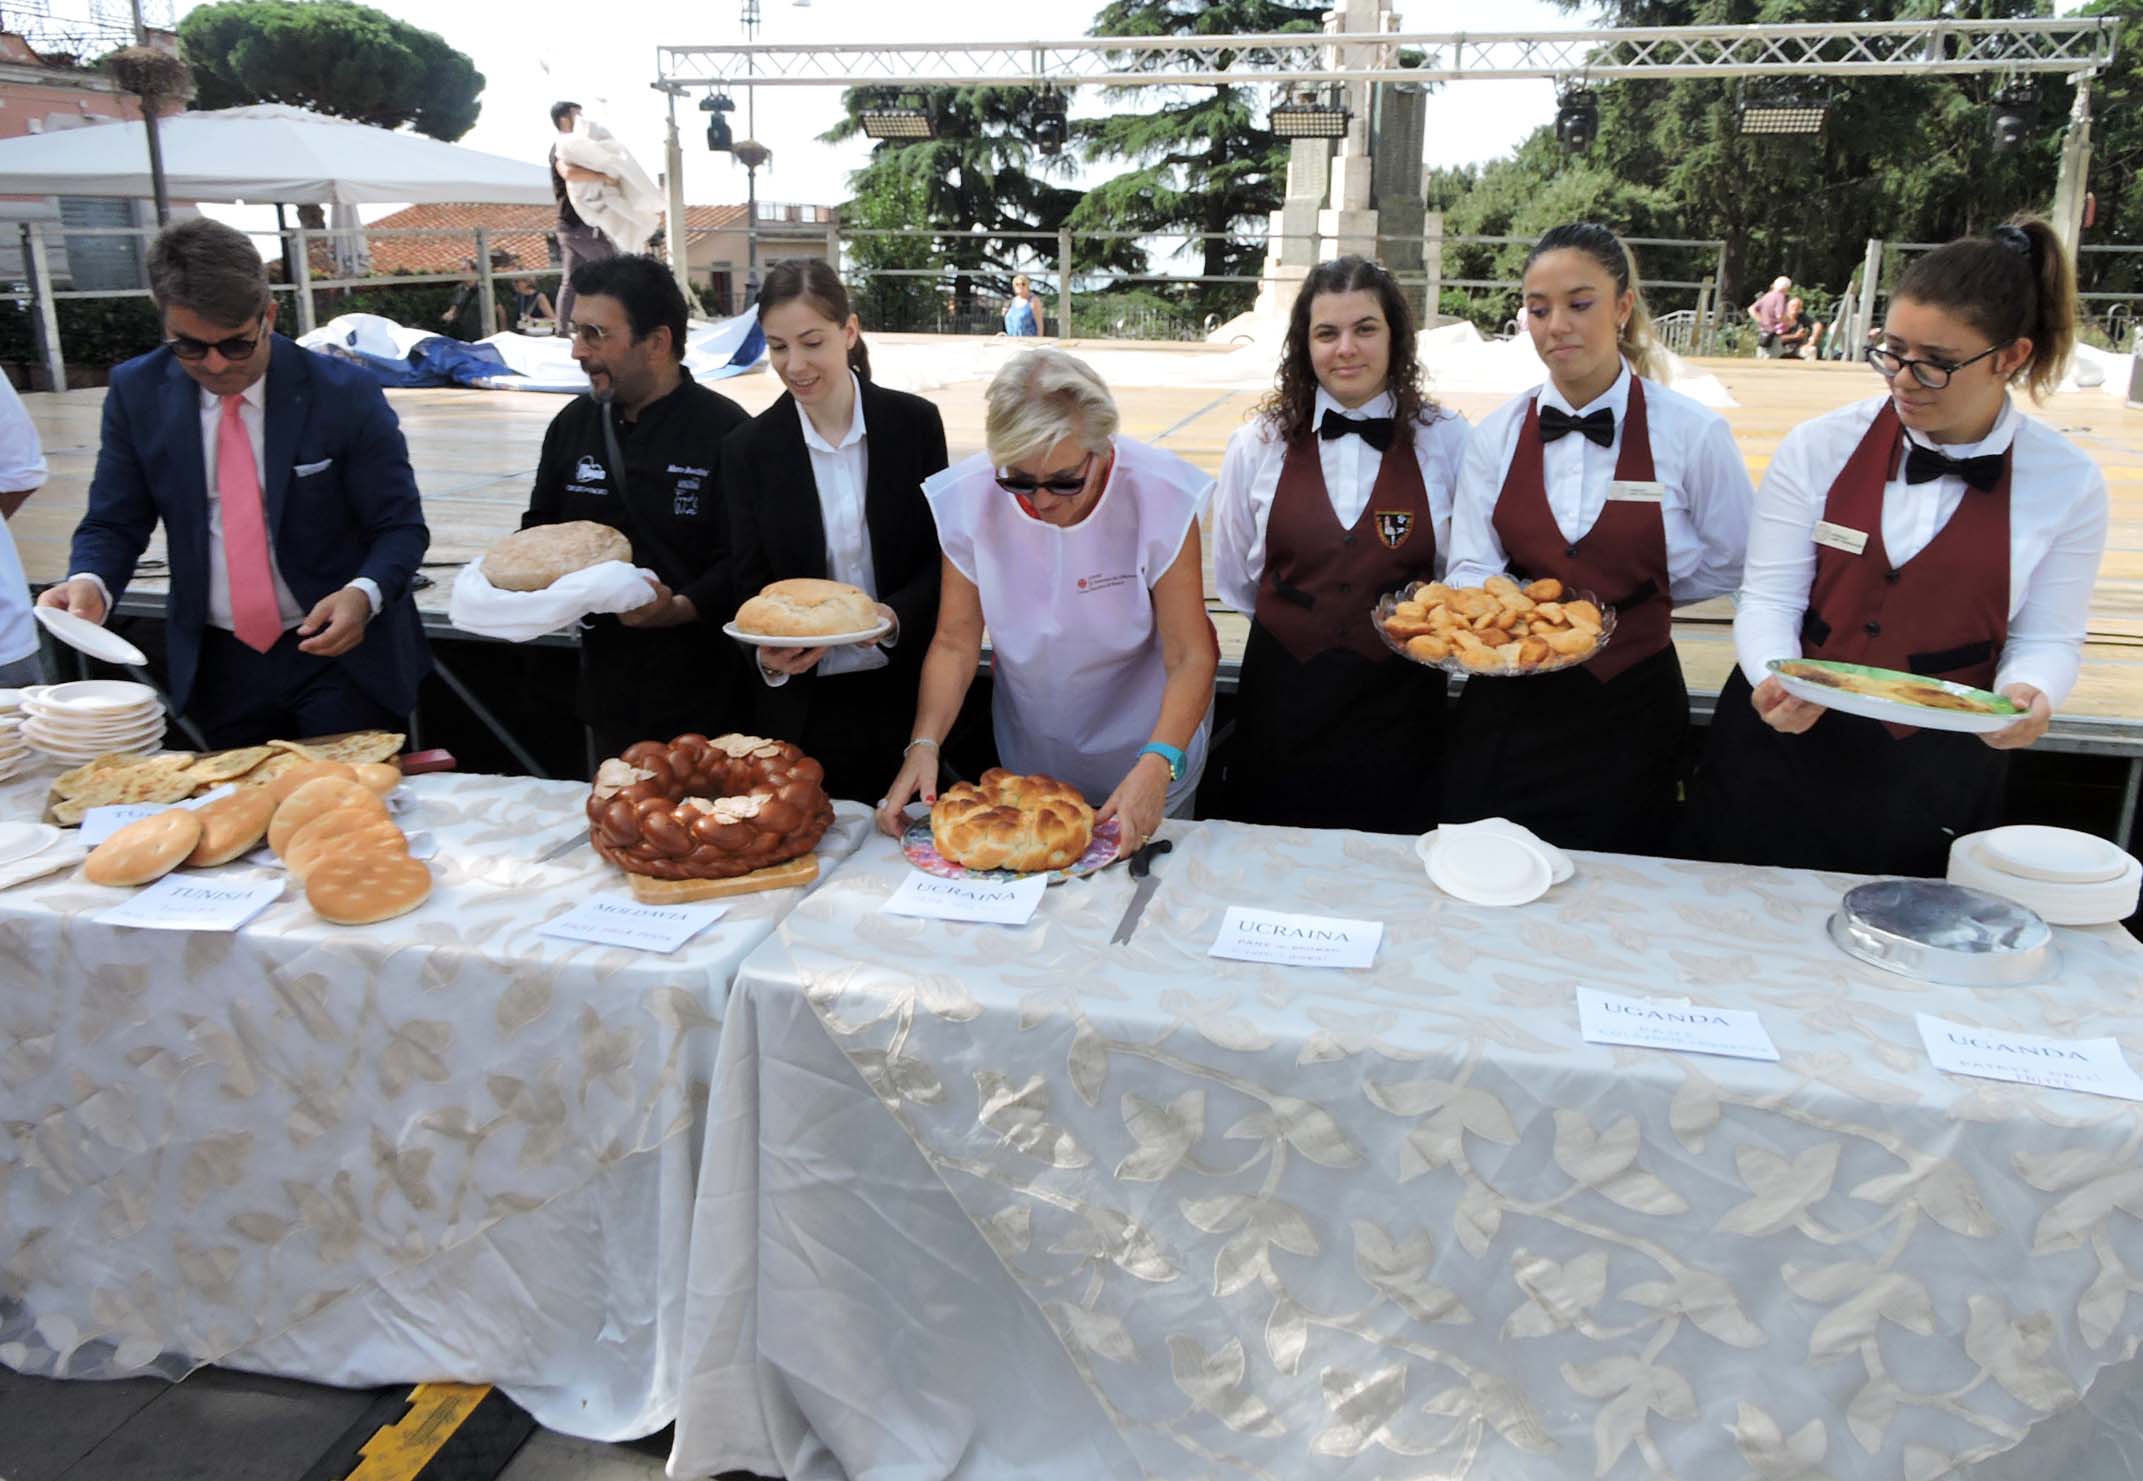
{"type": "Point", "coordinates": [1942, 932]}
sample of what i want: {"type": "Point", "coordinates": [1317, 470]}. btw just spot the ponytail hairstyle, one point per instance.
{"type": "Point", "coordinates": [813, 281]}
{"type": "Point", "coordinates": [1291, 405]}
{"type": "Point", "coordinates": [2014, 283]}
{"type": "Point", "coordinates": [1613, 254]}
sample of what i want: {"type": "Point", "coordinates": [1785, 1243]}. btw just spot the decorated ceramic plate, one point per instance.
{"type": "Point", "coordinates": [1900, 698]}
{"type": "Point", "coordinates": [826, 640]}
{"type": "Point", "coordinates": [1382, 614]}
{"type": "Point", "coordinates": [923, 854]}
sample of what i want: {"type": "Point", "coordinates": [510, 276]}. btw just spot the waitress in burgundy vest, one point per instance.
{"type": "Point", "coordinates": [1610, 483]}
{"type": "Point", "coordinates": [1337, 492]}
{"type": "Point", "coordinates": [1934, 529]}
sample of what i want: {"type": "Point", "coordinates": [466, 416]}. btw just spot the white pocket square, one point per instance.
{"type": "Point", "coordinates": [307, 470]}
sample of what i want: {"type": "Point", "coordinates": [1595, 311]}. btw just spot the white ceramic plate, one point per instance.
{"type": "Point", "coordinates": [59, 721]}
{"type": "Point", "coordinates": [2060, 855]}
{"type": "Point", "coordinates": [1489, 869]}
{"type": "Point", "coordinates": [39, 732]}
{"type": "Point", "coordinates": [2100, 903]}
{"type": "Point", "coordinates": [10, 701]}
{"type": "Point", "coordinates": [19, 841]}
{"type": "Point", "coordinates": [1896, 712]}
{"type": "Point", "coordinates": [99, 695]}
{"type": "Point", "coordinates": [1560, 867]}
{"type": "Point", "coordinates": [89, 638]}
{"type": "Point", "coordinates": [830, 640]}
{"type": "Point", "coordinates": [90, 753]}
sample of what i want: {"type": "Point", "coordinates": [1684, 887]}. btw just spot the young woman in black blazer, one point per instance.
{"type": "Point", "coordinates": [827, 483]}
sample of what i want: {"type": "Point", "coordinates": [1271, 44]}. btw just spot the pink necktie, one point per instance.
{"type": "Point", "coordinates": [255, 618]}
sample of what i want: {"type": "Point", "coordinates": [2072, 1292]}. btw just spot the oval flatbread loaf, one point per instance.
{"type": "Point", "coordinates": [805, 608]}
{"type": "Point", "coordinates": [346, 830]}
{"type": "Point", "coordinates": [358, 889]}
{"type": "Point", "coordinates": [531, 559]}
{"type": "Point", "coordinates": [231, 826]}
{"type": "Point", "coordinates": [381, 776]}
{"type": "Point", "coordinates": [314, 798]}
{"type": "Point", "coordinates": [309, 771]}
{"type": "Point", "coordinates": [144, 850]}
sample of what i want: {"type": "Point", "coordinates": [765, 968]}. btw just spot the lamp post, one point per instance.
{"type": "Point", "coordinates": [751, 154]}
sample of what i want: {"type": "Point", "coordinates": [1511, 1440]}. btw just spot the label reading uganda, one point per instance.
{"type": "Point", "coordinates": [1009, 902]}
{"type": "Point", "coordinates": [620, 920]}
{"type": "Point", "coordinates": [1248, 935]}
{"type": "Point", "coordinates": [193, 902]}
{"type": "Point", "coordinates": [1653, 1023]}
{"type": "Point", "coordinates": [2093, 1066]}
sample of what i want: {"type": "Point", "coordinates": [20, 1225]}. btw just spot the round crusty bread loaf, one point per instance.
{"type": "Point", "coordinates": [1007, 821]}
{"type": "Point", "coordinates": [804, 608]}
{"type": "Point", "coordinates": [531, 559]}
{"type": "Point", "coordinates": [358, 889]}
{"type": "Point", "coordinates": [314, 798]}
{"type": "Point", "coordinates": [231, 826]}
{"type": "Point", "coordinates": [144, 850]}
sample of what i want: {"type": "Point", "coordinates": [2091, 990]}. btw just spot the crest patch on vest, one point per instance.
{"type": "Point", "coordinates": [1394, 526]}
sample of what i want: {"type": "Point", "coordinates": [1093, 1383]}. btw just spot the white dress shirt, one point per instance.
{"type": "Point", "coordinates": [842, 473]}
{"type": "Point", "coordinates": [2057, 533]}
{"type": "Point", "coordinates": [1705, 506]}
{"type": "Point", "coordinates": [253, 415]}
{"type": "Point", "coordinates": [22, 468]}
{"type": "Point", "coordinates": [1250, 480]}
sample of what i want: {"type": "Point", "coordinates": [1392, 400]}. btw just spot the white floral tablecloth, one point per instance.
{"type": "Point", "coordinates": [984, 1201]}
{"type": "Point", "coordinates": [441, 1147]}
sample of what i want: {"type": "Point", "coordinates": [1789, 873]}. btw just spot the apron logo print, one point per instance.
{"type": "Point", "coordinates": [588, 470]}
{"type": "Point", "coordinates": [1082, 583]}
{"type": "Point", "coordinates": [1393, 527]}
{"type": "Point", "coordinates": [686, 503]}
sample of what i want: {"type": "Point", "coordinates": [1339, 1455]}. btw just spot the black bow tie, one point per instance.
{"type": "Point", "coordinates": [1924, 463]}
{"type": "Point", "coordinates": [1599, 427]}
{"type": "Point", "coordinates": [1376, 431]}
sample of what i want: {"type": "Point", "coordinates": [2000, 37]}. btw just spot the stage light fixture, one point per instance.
{"type": "Point", "coordinates": [1306, 120]}
{"type": "Point", "coordinates": [1577, 118]}
{"type": "Point", "coordinates": [1785, 114]}
{"type": "Point", "coordinates": [720, 139]}
{"type": "Point", "coordinates": [902, 121]}
{"type": "Point", "coordinates": [2015, 110]}
{"type": "Point", "coordinates": [1052, 122]}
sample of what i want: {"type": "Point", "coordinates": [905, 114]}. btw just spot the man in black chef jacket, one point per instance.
{"type": "Point", "coordinates": [665, 668]}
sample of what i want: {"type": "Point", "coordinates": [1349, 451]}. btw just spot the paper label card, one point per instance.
{"type": "Point", "coordinates": [1672, 1023]}
{"type": "Point", "coordinates": [193, 902]}
{"type": "Point", "coordinates": [989, 902]}
{"type": "Point", "coordinates": [100, 823]}
{"type": "Point", "coordinates": [1634, 491]}
{"type": "Point", "coordinates": [1248, 935]}
{"type": "Point", "coordinates": [620, 920]}
{"type": "Point", "coordinates": [2093, 1066]}
{"type": "Point", "coordinates": [1841, 537]}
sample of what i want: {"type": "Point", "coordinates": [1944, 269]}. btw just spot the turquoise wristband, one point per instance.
{"type": "Point", "coordinates": [1176, 759]}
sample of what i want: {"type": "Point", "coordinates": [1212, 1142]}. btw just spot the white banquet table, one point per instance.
{"type": "Point", "coordinates": [983, 1201]}
{"type": "Point", "coordinates": [440, 1147]}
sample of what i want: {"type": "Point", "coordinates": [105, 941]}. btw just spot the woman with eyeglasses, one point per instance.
{"type": "Point", "coordinates": [827, 484]}
{"type": "Point", "coordinates": [1077, 548]}
{"type": "Point", "coordinates": [1337, 492]}
{"type": "Point", "coordinates": [1606, 481]}
{"type": "Point", "coordinates": [1934, 529]}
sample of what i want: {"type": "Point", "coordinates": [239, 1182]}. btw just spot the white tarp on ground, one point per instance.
{"type": "Point", "coordinates": [539, 363]}
{"type": "Point", "coordinates": [265, 153]}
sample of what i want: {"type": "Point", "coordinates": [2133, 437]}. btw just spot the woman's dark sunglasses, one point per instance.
{"type": "Point", "coordinates": [237, 347]}
{"type": "Point", "coordinates": [1063, 486]}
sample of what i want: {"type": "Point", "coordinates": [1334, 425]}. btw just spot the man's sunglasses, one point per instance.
{"type": "Point", "coordinates": [1064, 485]}
{"type": "Point", "coordinates": [237, 347]}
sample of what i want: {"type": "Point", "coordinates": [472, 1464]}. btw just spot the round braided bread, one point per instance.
{"type": "Point", "coordinates": [1007, 821]}
{"type": "Point", "coordinates": [708, 809]}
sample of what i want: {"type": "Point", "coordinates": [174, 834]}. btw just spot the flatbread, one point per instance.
{"type": "Point", "coordinates": [534, 558]}
{"type": "Point", "coordinates": [346, 830]}
{"type": "Point", "coordinates": [155, 780]}
{"type": "Point", "coordinates": [381, 776]}
{"type": "Point", "coordinates": [322, 795]}
{"type": "Point", "coordinates": [277, 764]}
{"type": "Point", "coordinates": [358, 889]}
{"type": "Point", "coordinates": [308, 771]}
{"type": "Point", "coordinates": [218, 767]}
{"type": "Point", "coordinates": [145, 850]}
{"type": "Point", "coordinates": [354, 747]}
{"type": "Point", "coordinates": [231, 826]}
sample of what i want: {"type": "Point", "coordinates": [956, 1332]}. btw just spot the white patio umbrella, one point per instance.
{"type": "Point", "coordinates": [267, 153]}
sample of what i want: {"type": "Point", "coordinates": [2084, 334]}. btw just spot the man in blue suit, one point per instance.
{"type": "Point", "coordinates": [290, 514]}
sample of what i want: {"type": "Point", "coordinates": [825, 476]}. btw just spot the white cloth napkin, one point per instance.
{"type": "Point", "coordinates": [519, 616]}
{"type": "Point", "coordinates": [62, 855]}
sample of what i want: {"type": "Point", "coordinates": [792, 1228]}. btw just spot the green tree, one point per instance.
{"type": "Point", "coordinates": [887, 299]}
{"type": "Point", "coordinates": [1203, 162]}
{"type": "Point", "coordinates": [2116, 175]}
{"type": "Point", "coordinates": [332, 56]}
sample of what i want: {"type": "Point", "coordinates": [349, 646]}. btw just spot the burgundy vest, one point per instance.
{"type": "Point", "coordinates": [1622, 558]}
{"type": "Point", "coordinates": [1321, 580]}
{"type": "Point", "coordinates": [1945, 612]}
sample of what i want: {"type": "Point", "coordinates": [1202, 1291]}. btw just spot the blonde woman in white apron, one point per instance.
{"type": "Point", "coordinates": [1078, 550]}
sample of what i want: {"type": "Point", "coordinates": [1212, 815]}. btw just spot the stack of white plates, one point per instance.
{"type": "Point", "coordinates": [14, 750]}
{"type": "Point", "coordinates": [97, 717]}
{"type": "Point", "coordinates": [1492, 862]}
{"type": "Point", "coordinates": [2067, 878]}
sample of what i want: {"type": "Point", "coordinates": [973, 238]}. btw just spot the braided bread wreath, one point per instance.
{"type": "Point", "coordinates": [1007, 821]}
{"type": "Point", "coordinates": [707, 809]}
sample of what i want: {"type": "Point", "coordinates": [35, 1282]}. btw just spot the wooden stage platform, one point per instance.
{"type": "Point", "coordinates": [475, 453]}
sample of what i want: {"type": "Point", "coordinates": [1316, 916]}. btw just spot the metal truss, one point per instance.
{"type": "Point", "coordinates": [2069, 44]}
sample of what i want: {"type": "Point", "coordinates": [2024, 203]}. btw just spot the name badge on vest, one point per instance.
{"type": "Point", "coordinates": [1394, 527]}
{"type": "Point", "coordinates": [1635, 491]}
{"type": "Point", "coordinates": [1840, 537]}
